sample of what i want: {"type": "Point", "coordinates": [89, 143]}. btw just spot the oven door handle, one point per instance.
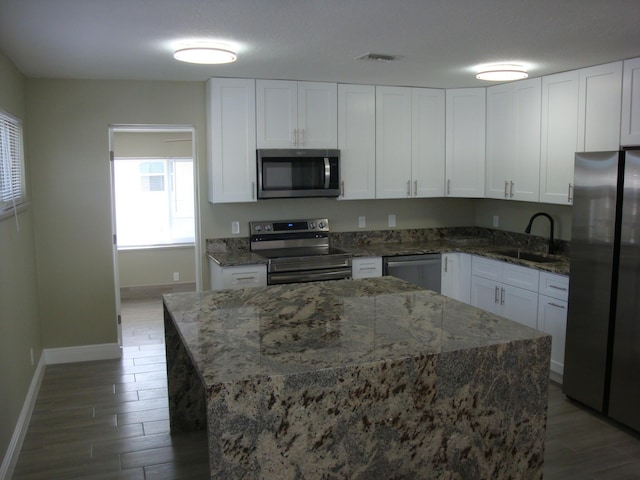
{"type": "Point", "coordinates": [327, 173]}
{"type": "Point", "coordinates": [275, 279]}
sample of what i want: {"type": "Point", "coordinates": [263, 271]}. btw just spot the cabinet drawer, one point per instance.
{"type": "Point", "coordinates": [521, 277]}
{"type": "Point", "coordinates": [486, 268]}
{"type": "Point", "coordinates": [366, 267]}
{"type": "Point", "coordinates": [553, 285]}
{"type": "Point", "coordinates": [242, 276]}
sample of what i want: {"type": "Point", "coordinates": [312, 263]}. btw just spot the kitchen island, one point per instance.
{"type": "Point", "coordinates": [368, 379]}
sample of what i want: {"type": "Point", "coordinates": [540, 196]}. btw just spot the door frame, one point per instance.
{"type": "Point", "coordinates": [153, 128]}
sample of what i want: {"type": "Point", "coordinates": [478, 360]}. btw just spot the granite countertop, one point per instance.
{"type": "Point", "coordinates": [561, 266]}
{"type": "Point", "coordinates": [298, 328]}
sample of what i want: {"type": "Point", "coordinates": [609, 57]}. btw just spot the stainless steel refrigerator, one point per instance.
{"type": "Point", "coordinates": [602, 351]}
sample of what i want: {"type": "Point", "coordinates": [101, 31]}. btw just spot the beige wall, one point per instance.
{"type": "Point", "coordinates": [71, 186]}
{"type": "Point", "coordinates": [155, 266]}
{"type": "Point", "coordinates": [19, 325]}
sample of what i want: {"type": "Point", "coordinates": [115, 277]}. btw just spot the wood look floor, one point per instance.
{"type": "Point", "coordinates": [109, 420]}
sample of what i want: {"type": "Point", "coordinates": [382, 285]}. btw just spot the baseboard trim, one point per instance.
{"type": "Point", "coordinates": [22, 425]}
{"type": "Point", "coordinates": [82, 353]}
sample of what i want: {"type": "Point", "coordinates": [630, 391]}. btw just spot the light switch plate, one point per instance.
{"type": "Point", "coordinates": [496, 221]}
{"type": "Point", "coordinates": [362, 221]}
{"type": "Point", "coordinates": [235, 228]}
{"type": "Point", "coordinates": [392, 220]}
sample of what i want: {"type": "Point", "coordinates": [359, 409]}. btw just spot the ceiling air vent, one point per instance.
{"type": "Point", "coordinates": [377, 57]}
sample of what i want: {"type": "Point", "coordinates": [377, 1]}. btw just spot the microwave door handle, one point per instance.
{"type": "Point", "coordinates": [327, 173]}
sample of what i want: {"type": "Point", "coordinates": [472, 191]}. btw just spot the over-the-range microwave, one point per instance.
{"type": "Point", "coordinates": [291, 173]}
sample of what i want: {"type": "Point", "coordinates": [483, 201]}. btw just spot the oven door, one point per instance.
{"type": "Point", "coordinates": [298, 173]}
{"type": "Point", "coordinates": [308, 276]}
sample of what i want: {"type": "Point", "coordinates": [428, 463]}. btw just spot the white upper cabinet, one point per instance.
{"type": "Point", "coordinates": [599, 108]}
{"type": "Point", "coordinates": [630, 134]}
{"type": "Point", "coordinates": [231, 140]}
{"type": "Point", "coordinates": [513, 140]}
{"type": "Point", "coordinates": [559, 136]}
{"type": "Point", "coordinates": [409, 142]}
{"type": "Point", "coordinates": [393, 142]}
{"type": "Point", "coordinates": [296, 114]}
{"type": "Point", "coordinates": [427, 140]}
{"type": "Point", "coordinates": [465, 142]}
{"type": "Point", "coordinates": [356, 141]}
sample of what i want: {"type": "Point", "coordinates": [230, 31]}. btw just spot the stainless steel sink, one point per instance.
{"type": "Point", "coordinates": [529, 256]}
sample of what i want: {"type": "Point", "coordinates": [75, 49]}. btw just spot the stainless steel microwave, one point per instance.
{"type": "Point", "coordinates": [290, 173]}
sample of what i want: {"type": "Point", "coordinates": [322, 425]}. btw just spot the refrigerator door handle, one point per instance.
{"type": "Point", "coordinates": [570, 194]}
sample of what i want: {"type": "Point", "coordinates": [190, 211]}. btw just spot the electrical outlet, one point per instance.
{"type": "Point", "coordinates": [392, 220]}
{"type": "Point", "coordinates": [176, 276]}
{"type": "Point", "coordinates": [235, 228]}
{"type": "Point", "coordinates": [362, 222]}
{"type": "Point", "coordinates": [33, 360]}
{"type": "Point", "coordinates": [496, 221]}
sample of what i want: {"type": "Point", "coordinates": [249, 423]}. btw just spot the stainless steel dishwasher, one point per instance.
{"type": "Point", "coordinates": [422, 270]}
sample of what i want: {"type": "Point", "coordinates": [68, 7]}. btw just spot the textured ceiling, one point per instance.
{"type": "Point", "coordinates": [438, 41]}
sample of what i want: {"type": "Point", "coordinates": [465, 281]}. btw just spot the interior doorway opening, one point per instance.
{"type": "Point", "coordinates": [156, 246]}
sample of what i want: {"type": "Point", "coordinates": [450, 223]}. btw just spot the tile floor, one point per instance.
{"type": "Point", "coordinates": [109, 420]}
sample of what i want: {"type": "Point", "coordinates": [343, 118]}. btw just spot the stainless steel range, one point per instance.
{"type": "Point", "coordinates": [298, 251]}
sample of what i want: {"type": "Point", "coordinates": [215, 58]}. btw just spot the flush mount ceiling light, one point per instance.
{"type": "Point", "coordinates": [502, 73]}
{"type": "Point", "coordinates": [205, 54]}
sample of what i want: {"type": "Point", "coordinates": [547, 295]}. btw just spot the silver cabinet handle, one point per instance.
{"type": "Point", "coordinates": [556, 305]}
{"type": "Point", "coordinates": [511, 190]}
{"type": "Point", "coordinates": [558, 288]}
{"type": "Point", "coordinates": [342, 188]}
{"type": "Point", "coordinates": [253, 190]}
{"type": "Point", "coordinates": [448, 186]}
{"type": "Point", "coordinates": [408, 188]}
{"type": "Point", "coordinates": [502, 296]}
{"type": "Point", "coordinates": [506, 185]}
{"type": "Point", "coordinates": [415, 188]}
{"type": "Point", "coordinates": [496, 297]}
{"type": "Point", "coordinates": [570, 194]}
{"type": "Point", "coordinates": [446, 263]}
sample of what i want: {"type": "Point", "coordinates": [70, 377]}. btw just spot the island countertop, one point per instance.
{"type": "Point", "coordinates": [289, 329]}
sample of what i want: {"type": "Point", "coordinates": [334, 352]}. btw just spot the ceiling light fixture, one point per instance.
{"type": "Point", "coordinates": [205, 54]}
{"type": "Point", "coordinates": [502, 73]}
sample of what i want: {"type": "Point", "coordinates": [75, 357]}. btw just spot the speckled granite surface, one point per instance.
{"type": "Point", "coordinates": [369, 379]}
{"type": "Point", "coordinates": [383, 243]}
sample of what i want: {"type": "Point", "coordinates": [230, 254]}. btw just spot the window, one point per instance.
{"type": "Point", "coordinates": [154, 201]}
{"type": "Point", "coordinates": [11, 163]}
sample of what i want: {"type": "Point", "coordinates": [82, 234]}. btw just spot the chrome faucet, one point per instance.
{"type": "Point", "coordinates": [533, 217]}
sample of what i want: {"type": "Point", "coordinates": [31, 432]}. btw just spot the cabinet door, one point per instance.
{"type": "Point", "coordinates": [427, 138]}
{"type": "Point", "coordinates": [276, 113]}
{"type": "Point", "coordinates": [559, 136]}
{"type": "Point", "coordinates": [630, 134]}
{"type": "Point", "coordinates": [485, 294]}
{"type": "Point", "coordinates": [393, 142]}
{"type": "Point", "coordinates": [231, 140]}
{"type": "Point", "coordinates": [465, 142]}
{"type": "Point", "coordinates": [317, 115]}
{"type": "Point", "coordinates": [524, 183]}
{"type": "Point", "coordinates": [599, 108]}
{"type": "Point", "coordinates": [501, 141]}
{"type": "Point", "coordinates": [519, 305]}
{"type": "Point", "coordinates": [552, 319]}
{"type": "Point", "coordinates": [356, 141]}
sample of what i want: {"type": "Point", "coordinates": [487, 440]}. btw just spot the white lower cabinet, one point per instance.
{"type": "Point", "coordinates": [505, 289]}
{"type": "Point", "coordinates": [241, 276]}
{"type": "Point", "coordinates": [366, 267]}
{"type": "Point", "coordinates": [552, 315]}
{"type": "Point", "coordinates": [456, 276]}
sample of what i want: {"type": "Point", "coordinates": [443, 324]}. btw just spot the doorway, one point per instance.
{"type": "Point", "coordinates": [155, 217]}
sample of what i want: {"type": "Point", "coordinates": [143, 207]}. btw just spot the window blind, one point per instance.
{"type": "Point", "coordinates": [11, 162]}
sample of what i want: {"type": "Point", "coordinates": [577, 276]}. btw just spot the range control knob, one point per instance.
{"type": "Point", "coordinates": [267, 228]}
{"type": "Point", "coordinates": [321, 225]}
{"type": "Point", "coordinates": [257, 228]}
{"type": "Point", "coordinates": [312, 225]}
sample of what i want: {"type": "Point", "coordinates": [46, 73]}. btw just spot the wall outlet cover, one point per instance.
{"type": "Point", "coordinates": [392, 220]}
{"type": "Point", "coordinates": [362, 222]}
{"type": "Point", "coordinates": [176, 276]}
{"type": "Point", "coordinates": [235, 228]}
{"type": "Point", "coordinates": [496, 221]}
